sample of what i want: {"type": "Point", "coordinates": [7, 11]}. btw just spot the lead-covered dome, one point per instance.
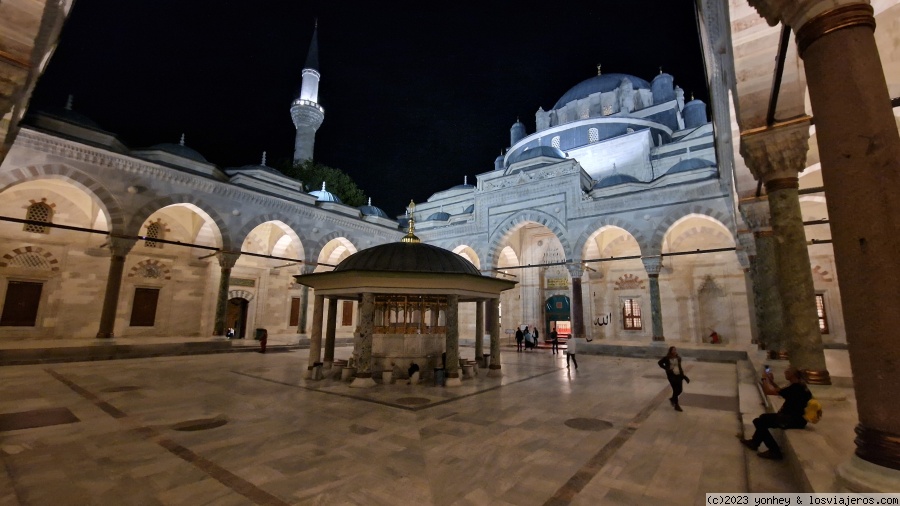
{"type": "Point", "coordinates": [603, 83]}
{"type": "Point", "coordinates": [179, 150]}
{"type": "Point", "coordinates": [408, 257]}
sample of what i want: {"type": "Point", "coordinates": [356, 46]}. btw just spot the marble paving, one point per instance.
{"type": "Point", "coordinates": [235, 429]}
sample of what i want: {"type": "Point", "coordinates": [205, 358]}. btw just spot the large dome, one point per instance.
{"type": "Point", "coordinates": [408, 257]}
{"type": "Point", "coordinates": [597, 84]}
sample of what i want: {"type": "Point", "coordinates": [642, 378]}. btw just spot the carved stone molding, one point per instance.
{"type": "Point", "coordinates": [796, 13]}
{"type": "Point", "coordinates": [776, 153]}
{"type": "Point", "coordinates": [652, 265]}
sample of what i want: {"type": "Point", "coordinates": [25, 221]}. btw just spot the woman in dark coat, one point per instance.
{"type": "Point", "coordinates": [675, 374]}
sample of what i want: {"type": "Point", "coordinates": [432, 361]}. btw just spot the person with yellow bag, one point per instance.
{"type": "Point", "coordinates": [791, 415]}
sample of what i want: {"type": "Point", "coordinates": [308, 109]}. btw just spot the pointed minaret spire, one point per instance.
{"type": "Point", "coordinates": [305, 110]}
{"type": "Point", "coordinates": [181, 142]}
{"type": "Point", "coordinates": [69, 103]}
{"type": "Point", "coordinates": [264, 159]}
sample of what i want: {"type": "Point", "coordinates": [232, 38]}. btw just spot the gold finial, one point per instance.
{"type": "Point", "coordinates": [410, 236]}
{"type": "Point", "coordinates": [660, 69]}
{"type": "Point", "coordinates": [598, 70]}
{"type": "Point", "coordinates": [692, 96]}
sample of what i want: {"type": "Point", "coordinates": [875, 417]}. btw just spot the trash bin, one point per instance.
{"type": "Point", "coordinates": [487, 360]}
{"type": "Point", "coordinates": [439, 376]}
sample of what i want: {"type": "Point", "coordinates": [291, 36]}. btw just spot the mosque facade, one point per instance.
{"type": "Point", "coordinates": [616, 219]}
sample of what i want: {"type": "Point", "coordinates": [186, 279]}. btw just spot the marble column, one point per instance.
{"type": "Point", "coordinates": [366, 327]}
{"type": "Point", "coordinates": [494, 367]}
{"type": "Point", "coordinates": [577, 307]}
{"type": "Point", "coordinates": [746, 254]}
{"type": "Point", "coordinates": [315, 335]}
{"type": "Point", "coordinates": [652, 265]}
{"type": "Point", "coordinates": [453, 376]}
{"type": "Point", "coordinates": [767, 299]}
{"type": "Point", "coordinates": [226, 263]}
{"type": "Point", "coordinates": [776, 156]}
{"type": "Point", "coordinates": [859, 149]}
{"type": "Point", "coordinates": [330, 327]}
{"type": "Point", "coordinates": [479, 331]}
{"type": "Point", "coordinates": [304, 300]}
{"type": "Point", "coordinates": [119, 248]}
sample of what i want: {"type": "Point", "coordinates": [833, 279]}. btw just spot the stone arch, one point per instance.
{"type": "Point", "coordinates": [104, 198]}
{"type": "Point", "coordinates": [140, 216]}
{"type": "Point", "coordinates": [462, 249]}
{"type": "Point", "coordinates": [611, 222]}
{"type": "Point", "coordinates": [327, 238]}
{"type": "Point", "coordinates": [240, 294]}
{"type": "Point", "coordinates": [290, 229]}
{"type": "Point", "coordinates": [654, 247]}
{"type": "Point", "coordinates": [30, 256]}
{"type": "Point", "coordinates": [512, 223]}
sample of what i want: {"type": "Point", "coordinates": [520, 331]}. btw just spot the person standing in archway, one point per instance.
{"type": "Point", "coordinates": [520, 336]}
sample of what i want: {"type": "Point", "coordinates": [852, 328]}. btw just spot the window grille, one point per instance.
{"type": "Point", "coordinates": [820, 312]}
{"type": "Point", "coordinates": [593, 135]}
{"type": "Point", "coordinates": [555, 142]}
{"type": "Point", "coordinates": [631, 314]}
{"type": "Point", "coordinates": [39, 211]}
{"type": "Point", "coordinates": [153, 232]}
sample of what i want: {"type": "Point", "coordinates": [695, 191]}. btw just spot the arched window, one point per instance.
{"type": "Point", "coordinates": [631, 314]}
{"type": "Point", "coordinates": [154, 231]}
{"type": "Point", "coordinates": [555, 142]}
{"type": "Point", "coordinates": [38, 211]}
{"type": "Point", "coordinates": [593, 135]}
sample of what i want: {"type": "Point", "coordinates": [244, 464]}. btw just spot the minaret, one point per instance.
{"type": "Point", "coordinates": [305, 110]}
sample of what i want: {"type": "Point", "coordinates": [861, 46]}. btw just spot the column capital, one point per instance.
{"type": "Point", "coordinates": [575, 270]}
{"type": "Point", "coordinates": [227, 259]}
{"type": "Point", "coordinates": [798, 13]}
{"type": "Point", "coordinates": [120, 246]}
{"type": "Point", "coordinates": [756, 214]}
{"type": "Point", "coordinates": [776, 153]}
{"type": "Point", "coordinates": [652, 264]}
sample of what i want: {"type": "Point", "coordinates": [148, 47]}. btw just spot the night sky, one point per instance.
{"type": "Point", "coordinates": [414, 98]}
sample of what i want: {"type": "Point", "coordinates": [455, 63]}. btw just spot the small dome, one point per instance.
{"type": "Point", "coordinates": [180, 150]}
{"type": "Point", "coordinates": [70, 116]}
{"type": "Point", "coordinates": [615, 179]}
{"type": "Point", "coordinates": [245, 168]}
{"type": "Point", "coordinates": [470, 209]}
{"type": "Point", "coordinates": [463, 187]}
{"type": "Point", "coordinates": [599, 84]}
{"type": "Point", "coordinates": [370, 210]}
{"type": "Point", "coordinates": [690, 164]}
{"type": "Point", "coordinates": [439, 216]}
{"type": "Point", "coordinates": [408, 257]}
{"type": "Point", "coordinates": [534, 152]}
{"type": "Point", "coordinates": [325, 196]}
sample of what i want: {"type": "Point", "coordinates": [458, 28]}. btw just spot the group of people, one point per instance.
{"type": "Point", "coordinates": [791, 415]}
{"type": "Point", "coordinates": [526, 339]}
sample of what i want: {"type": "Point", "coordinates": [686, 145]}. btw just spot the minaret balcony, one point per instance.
{"type": "Point", "coordinates": [308, 103]}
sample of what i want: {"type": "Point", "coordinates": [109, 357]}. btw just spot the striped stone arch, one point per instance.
{"type": "Point", "coordinates": [240, 294]}
{"type": "Point", "coordinates": [99, 193]}
{"type": "Point", "coordinates": [141, 215]}
{"type": "Point", "coordinates": [244, 231]}
{"type": "Point", "coordinates": [454, 245]}
{"type": "Point", "coordinates": [513, 222]}
{"type": "Point", "coordinates": [638, 235]}
{"type": "Point", "coordinates": [655, 246]}
{"type": "Point", "coordinates": [325, 239]}
{"type": "Point", "coordinates": [31, 257]}
{"type": "Point", "coordinates": [150, 265]}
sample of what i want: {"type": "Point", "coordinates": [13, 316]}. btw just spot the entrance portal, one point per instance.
{"type": "Point", "coordinates": [558, 315]}
{"type": "Point", "coordinates": [236, 316]}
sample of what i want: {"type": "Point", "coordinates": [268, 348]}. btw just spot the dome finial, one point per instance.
{"type": "Point", "coordinates": [181, 142]}
{"type": "Point", "coordinates": [264, 159]}
{"type": "Point", "coordinates": [692, 96]}
{"type": "Point", "coordinates": [410, 236]}
{"type": "Point", "coordinates": [69, 103]}
{"type": "Point", "coordinates": [660, 69]}
{"type": "Point", "coordinates": [466, 179]}
{"type": "Point", "coordinates": [370, 202]}
{"type": "Point", "coordinates": [323, 185]}
{"type": "Point", "coordinates": [599, 72]}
